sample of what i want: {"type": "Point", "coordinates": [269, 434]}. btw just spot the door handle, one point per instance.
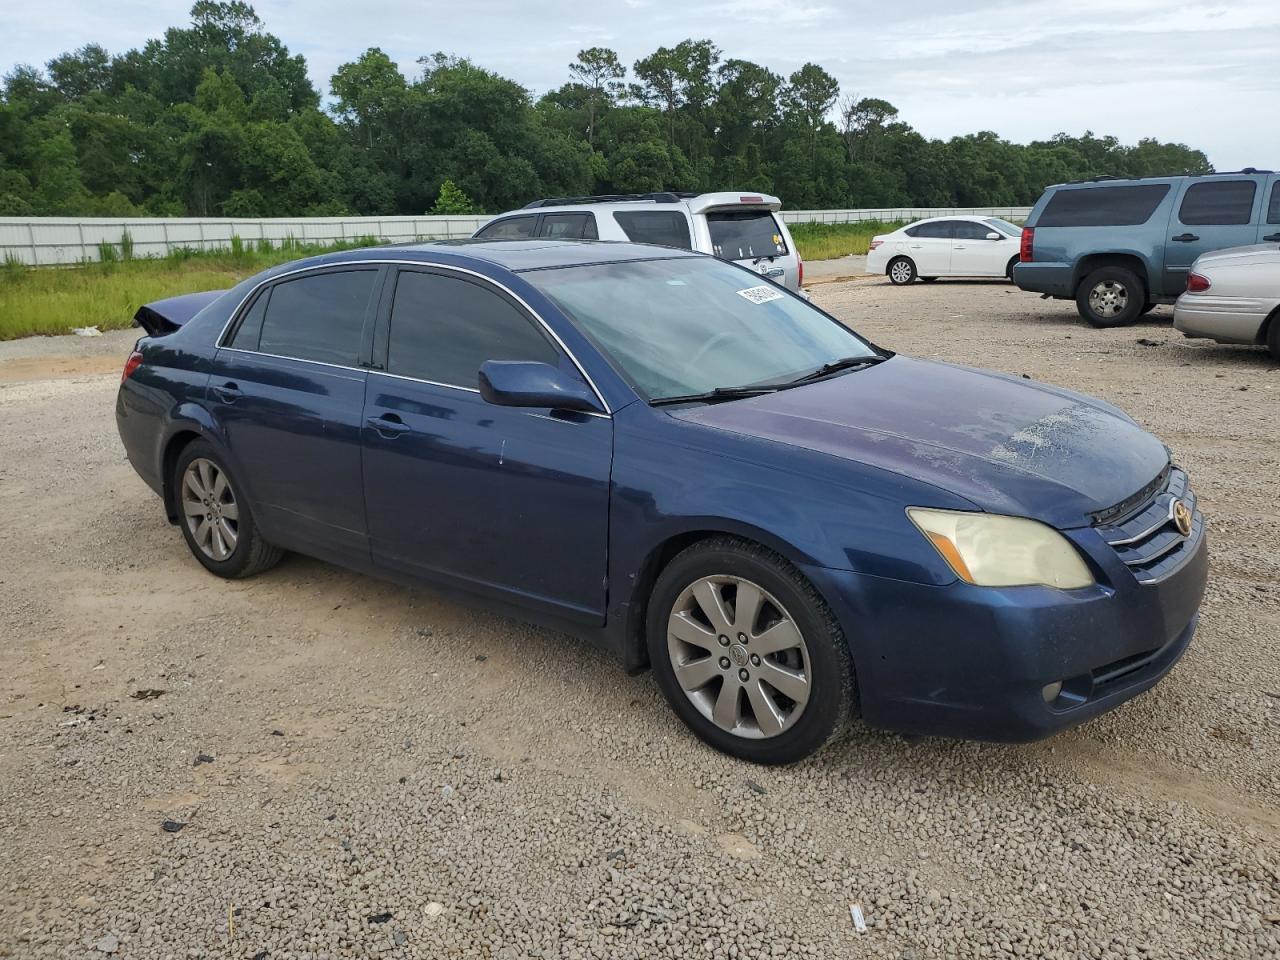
{"type": "Point", "coordinates": [916, 246]}
{"type": "Point", "coordinates": [959, 246]}
{"type": "Point", "coordinates": [388, 425]}
{"type": "Point", "coordinates": [1274, 238]}
{"type": "Point", "coordinates": [228, 392]}
{"type": "Point", "coordinates": [1186, 238]}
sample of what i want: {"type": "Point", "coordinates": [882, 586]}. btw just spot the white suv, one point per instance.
{"type": "Point", "coordinates": [740, 227]}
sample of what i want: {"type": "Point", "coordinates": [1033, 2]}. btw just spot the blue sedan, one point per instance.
{"type": "Point", "coordinates": [688, 465]}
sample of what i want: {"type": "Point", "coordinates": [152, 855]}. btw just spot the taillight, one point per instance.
{"type": "Point", "coordinates": [800, 270]}
{"type": "Point", "coordinates": [874, 244]}
{"type": "Point", "coordinates": [1028, 250]}
{"type": "Point", "coordinates": [1197, 283]}
{"type": "Point", "coordinates": [130, 365]}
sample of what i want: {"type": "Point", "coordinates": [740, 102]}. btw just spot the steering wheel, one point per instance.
{"type": "Point", "coordinates": [706, 347]}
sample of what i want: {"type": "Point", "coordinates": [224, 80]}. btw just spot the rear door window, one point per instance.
{"type": "Point", "coordinates": [745, 234]}
{"type": "Point", "coordinates": [666, 228]}
{"type": "Point", "coordinates": [443, 328]}
{"type": "Point", "coordinates": [1103, 206]}
{"type": "Point", "coordinates": [1218, 202]}
{"type": "Point", "coordinates": [937, 230]}
{"type": "Point", "coordinates": [568, 226]}
{"type": "Point", "coordinates": [320, 317]}
{"type": "Point", "coordinates": [512, 228]}
{"type": "Point", "coordinates": [1273, 211]}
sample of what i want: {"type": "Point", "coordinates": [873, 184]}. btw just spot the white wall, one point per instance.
{"type": "Point", "coordinates": [60, 240]}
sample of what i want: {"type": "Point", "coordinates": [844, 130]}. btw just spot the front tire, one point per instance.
{"type": "Point", "coordinates": [901, 271]}
{"type": "Point", "coordinates": [1273, 336]}
{"type": "Point", "coordinates": [1110, 297]}
{"type": "Point", "coordinates": [748, 653]}
{"type": "Point", "coordinates": [215, 517]}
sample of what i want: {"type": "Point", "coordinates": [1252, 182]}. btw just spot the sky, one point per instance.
{"type": "Point", "coordinates": [1199, 72]}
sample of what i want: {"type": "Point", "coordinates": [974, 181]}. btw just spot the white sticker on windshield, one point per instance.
{"type": "Point", "coordinates": [761, 294]}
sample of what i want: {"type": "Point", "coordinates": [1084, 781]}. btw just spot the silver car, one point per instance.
{"type": "Point", "coordinates": [741, 227]}
{"type": "Point", "coordinates": [1233, 296]}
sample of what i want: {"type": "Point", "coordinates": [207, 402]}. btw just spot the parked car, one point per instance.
{"type": "Point", "coordinates": [946, 247]}
{"type": "Point", "coordinates": [1119, 247]}
{"type": "Point", "coordinates": [695, 468]}
{"type": "Point", "coordinates": [1233, 296]}
{"type": "Point", "coordinates": [740, 227]}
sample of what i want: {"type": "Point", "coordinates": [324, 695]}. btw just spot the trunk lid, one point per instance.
{"type": "Point", "coordinates": [163, 317]}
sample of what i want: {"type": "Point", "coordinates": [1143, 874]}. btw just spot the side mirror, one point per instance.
{"type": "Point", "coordinates": [994, 236]}
{"type": "Point", "coordinates": [518, 383]}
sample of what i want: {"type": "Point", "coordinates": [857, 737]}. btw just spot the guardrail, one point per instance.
{"type": "Point", "coordinates": [44, 241]}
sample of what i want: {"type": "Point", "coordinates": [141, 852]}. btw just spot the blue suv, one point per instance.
{"type": "Point", "coordinates": [1119, 247]}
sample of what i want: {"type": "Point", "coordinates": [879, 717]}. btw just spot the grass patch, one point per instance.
{"type": "Point", "coordinates": [823, 241]}
{"type": "Point", "coordinates": [52, 300]}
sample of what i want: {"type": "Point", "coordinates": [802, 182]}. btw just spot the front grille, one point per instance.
{"type": "Point", "coordinates": [1145, 536]}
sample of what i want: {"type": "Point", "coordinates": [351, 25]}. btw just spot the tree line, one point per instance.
{"type": "Point", "coordinates": [219, 119]}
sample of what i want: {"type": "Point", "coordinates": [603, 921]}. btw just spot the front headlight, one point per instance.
{"type": "Point", "coordinates": [993, 551]}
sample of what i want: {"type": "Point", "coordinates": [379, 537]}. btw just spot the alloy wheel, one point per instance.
{"type": "Point", "coordinates": [900, 272]}
{"type": "Point", "coordinates": [210, 510]}
{"type": "Point", "coordinates": [1108, 299]}
{"type": "Point", "coordinates": [739, 656]}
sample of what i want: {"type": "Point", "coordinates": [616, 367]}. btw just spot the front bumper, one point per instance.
{"type": "Point", "coordinates": [1224, 319]}
{"type": "Point", "coordinates": [971, 662]}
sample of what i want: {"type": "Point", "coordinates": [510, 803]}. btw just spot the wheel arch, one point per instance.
{"type": "Point", "coordinates": [1264, 331]}
{"type": "Point", "coordinates": [635, 649]}
{"type": "Point", "coordinates": [1095, 261]}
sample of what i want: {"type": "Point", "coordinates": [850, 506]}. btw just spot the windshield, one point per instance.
{"type": "Point", "coordinates": [1005, 227]}
{"type": "Point", "coordinates": [745, 235]}
{"type": "Point", "coordinates": [689, 325]}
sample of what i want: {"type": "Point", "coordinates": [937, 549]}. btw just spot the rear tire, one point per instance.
{"type": "Point", "coordinates": [1273, 336]}
{"type": "Point", "coordinates": [901, 271]}
{"type": "Point", "coordinates": [748, 653]}
{"type": "Point", "coordinates": [1008, 270]}
{"type": "Point", "coordinates": [1110, 297]}
{"type": "Point", "coordinates": [215, 517]}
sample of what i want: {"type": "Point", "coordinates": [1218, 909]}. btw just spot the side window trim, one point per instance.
{"type": "Point", "coordinates": [265, 289]}
{"type": "Point", "coordinates": [382, 329]}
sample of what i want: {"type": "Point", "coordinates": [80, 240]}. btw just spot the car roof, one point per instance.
{"type": "Point", "coordinates": [513, 255]}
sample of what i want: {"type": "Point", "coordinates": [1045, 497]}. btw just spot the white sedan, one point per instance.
{"type": "Point", "coordinates": [947, 247]}
{"type": "Point", "coordinates": [1233, 296]}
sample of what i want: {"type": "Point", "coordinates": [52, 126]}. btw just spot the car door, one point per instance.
{"type": "Point", "coordinates": [287, 391]}
{"type": "Point", "coordinates": [1269, 232]}
{"type": "Point", "coordinates": [513, 501]}
{"type": "Point", "coordinates": [1210, 215]}
{"type": "Point", "coordinates": [929, 246]}
{"type": "Point", "coordinates": [974, 255]}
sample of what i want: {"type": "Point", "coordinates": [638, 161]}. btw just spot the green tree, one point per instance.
{"type": "Point", "coordinates": [451, 199]}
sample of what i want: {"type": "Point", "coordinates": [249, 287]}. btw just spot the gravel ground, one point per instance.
{"type": "Point", "coordinates": [347, 768]}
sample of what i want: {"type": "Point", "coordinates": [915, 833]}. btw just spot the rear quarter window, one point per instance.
{"type": "Point", "coordinates": [512, 228]}
{"type": "Point", "coordinates": [1103, 206]}
{"type": "Point", "coordinates": [666, 228]}
{"type": "Point", "coordinates": [743, 234]}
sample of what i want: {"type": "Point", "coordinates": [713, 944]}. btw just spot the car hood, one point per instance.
{"type": "Point", "coordinates": [1005, 444]}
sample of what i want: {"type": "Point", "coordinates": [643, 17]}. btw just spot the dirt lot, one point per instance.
{"type": "Point", "coordinates": [365, 771]}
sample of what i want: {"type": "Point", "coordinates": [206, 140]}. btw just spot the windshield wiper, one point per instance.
{"type": "Point", "coordinates": [719, 393]}
{"type": "Point", "coordinates": [835, 366]}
